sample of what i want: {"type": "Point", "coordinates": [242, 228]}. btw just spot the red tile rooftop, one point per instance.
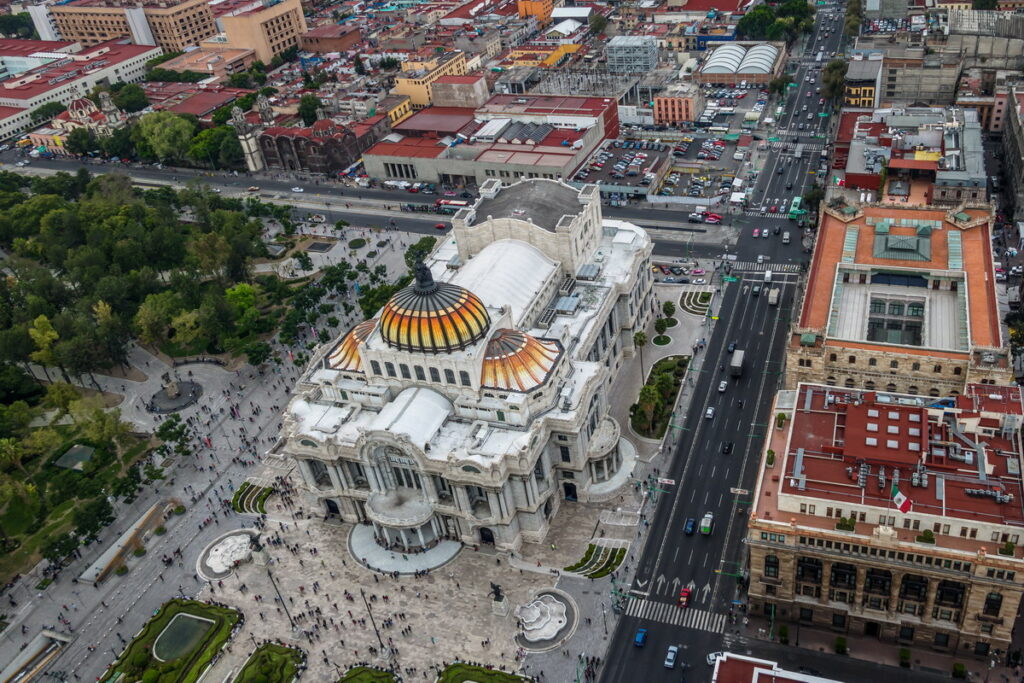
{"type": "Point", "coordinates": [548, 104]}
{"type": "Point", "coordinates": [103, 55]}
{"type": "Point", "coordinates": [733, 668]}
{"type": "Point", "coordinates": [12, 46]}
{"type": "Point", "coordinates": [439, 120]}
{"type": "Point", "coordinates": [422, 148]}
{"type": "Point", "coordinates": [836, 433]}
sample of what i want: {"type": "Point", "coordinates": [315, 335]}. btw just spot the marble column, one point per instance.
{"type": "Point", "coordinates": [374, 478]}
{"type": "Point", "coordinates": [492, 501]}
{"type": "Point", "coordinates": [858, 589]}
{"type": "Point", "coordinates": [894, 594]}
{"type": "Point", "coordinates": [826, 581]}
{"type": "Point", "coordinates": [929, 603]}
{"type": "Point", "coordinates": [419, 534]}
{"type": "Point", "coordinates": [405, 538]}
{"type": "Point", "coordinates": [332, 472]}
{"type": "Point", "coordinates": [461, 498]}
{"type": "Point", "coordinates": [340, 469]}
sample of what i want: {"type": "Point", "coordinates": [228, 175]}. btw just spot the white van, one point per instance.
{"type": "Point", "coordinates": [785, 237]}
{"type": "Point", "coordinates": [767, 276]}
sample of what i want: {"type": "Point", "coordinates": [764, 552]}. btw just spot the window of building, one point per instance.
{"type": "Point", "coordinates": [418, 370]}
{"type": "Point", "coordinates": [832, 357]}
{"type": "Point", "coordinates": [501, 415]}
{"type": "Point", "coordinates": [374, 367]}
{"type": "Point", "coordinates": [449, 376]}
{"type": "Point", "coordinates": [872, 362]}
{"type": "Point", "coordinates": [464, 378]}
{"type": "Point", "coordinates": [894, 364]}
{"type": "Point", "coordinates": [806, 614]}
{"type": "Point", "coordinates": [563, 451]}
{"type": "Point", "coordinates": [906, 633]}
{"type": "Point", "coordinates": [851, 359]}
{"type": "Point", "coordinates": [404, 369]}
{"type": "Point", "coordinates": [435, 376]}
{"type": "Point", "coordinates": [839, 620]}
{"type": "Point", "coordinates": [941, 640]}
{"type": "Point", "coordinates": [937, 368]}
{"type": "Point", "coordinates": [993, 604]}
{"type": "Point", "coordinates": [956, 371]}
{"type": "Point", "coordinates": [771, 566]}
{"type": "Point", "coordinates": [390, 368]}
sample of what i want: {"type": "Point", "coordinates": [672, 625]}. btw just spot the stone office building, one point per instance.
{"type": "Point", "coordinates": [893, 516]}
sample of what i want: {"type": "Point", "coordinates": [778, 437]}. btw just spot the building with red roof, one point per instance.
{"type": "Point", "coordinates": [48, 71]}
{"type": "Point", "coordinates": [509, 136]}
{"type": "Point", "coordinates": [733, 668]}
{"type": "Point", "coordinates": [327, 147]}
{"type": "Point", "coordinates": [893, 515]}
{"type": "Point", "coordinates": [886, 301]}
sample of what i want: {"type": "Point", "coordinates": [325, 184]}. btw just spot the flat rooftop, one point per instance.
{"type": "Point", "coordinates": [542, 203]}
{"type": "Point", "coordinates": [905, 248]}
{"type": "Point", "coordinates": [957, 458]}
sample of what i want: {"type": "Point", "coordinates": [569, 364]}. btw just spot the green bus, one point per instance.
{"type": "Point", "coordinates": [794, 209]}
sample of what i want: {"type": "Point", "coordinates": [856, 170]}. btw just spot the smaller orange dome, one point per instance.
{"type": "Point", "coordinates": [346, 355]}
{"type": "Point", "coordinates": [517, 361]}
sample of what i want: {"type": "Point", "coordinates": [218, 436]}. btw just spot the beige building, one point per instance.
{"type": "Point", "coordinates": [268, 31]}
{"type": "Point", "coordinates": [174, 26]}
{"type": "Point", "coordinates": [220, 62]}
{"type": "Point", "coordinates": [886, 302]}
{"type": "Point", "coordinates": [892, 516]}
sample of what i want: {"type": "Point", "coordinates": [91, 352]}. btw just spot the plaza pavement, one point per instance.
{"type": "Point", "coordinates": [451, 619]}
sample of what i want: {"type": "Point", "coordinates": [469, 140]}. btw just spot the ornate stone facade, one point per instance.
{"type": "Point", "coordinates": [476, 401]}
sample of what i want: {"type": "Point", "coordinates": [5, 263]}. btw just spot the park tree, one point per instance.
{"type": "Point", "coordinates": [44, 337]}
{"type": "Point", "coordinates": [187, 328]}
{"type": "Point", "coordinates": [419, 250]}
{"type": "Point", "coordinates": [597, 23]}
{"type": "Point", "coordinates": [640, 341]}
{"type": "Point", "coordinates": [303, 261]}
{"type": "Point", "coordinates": [167, 134]}
{"type": "Point", "coordinates": [660, 325]}
{"type": "Point", "coordinates": [17, 25]}
{"type": "Point", "coordinates": [357, 64]}
{"type": "Point", "coordinates": [59, 547]}
{"type": "Point", "coordinates": [11, 454]}
{"type": "Point", "coordinates": [668, 308]}
{"type": "Point", "coordinates": [101, 426]}
{"type": "Point", "coordinates": [46, 112]}
{"type": "Point", "coordinates": [131, 98]}
{"type": "Point", "coordinates": [647, 403]}
{"type": "Point", "coordinates": [92, 517]}
{"type": "Point", "coordinates": [258, 353]}
{"type": "Point", "coordinates": [153, 319]}
{"type": "Point", "coordinates": [59, 397]}
{"type": "Point", "coordinates": [81, 141]}
{"type": "Point", "coordinates": [308, 104]}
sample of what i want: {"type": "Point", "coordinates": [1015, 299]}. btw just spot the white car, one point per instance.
{"type": "Point", "coordinates": [710, 413]}
{"type": "Point", "coordinates": [297, 189]}
{"type": "Point", "coordinates": [722, 386]}
{"type": "Point", "coordinates": [714, 657]}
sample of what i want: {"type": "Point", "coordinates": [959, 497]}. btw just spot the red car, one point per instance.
{"type": "Point", "coordinates": [440, 226]}
{"type": "Point", "coordinates": [757, 232]}
{"type": "Point", "coordinates": [684, 597]}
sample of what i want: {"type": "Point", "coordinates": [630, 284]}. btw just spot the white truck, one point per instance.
{"type": "Point", "coordinates": [773, 296]}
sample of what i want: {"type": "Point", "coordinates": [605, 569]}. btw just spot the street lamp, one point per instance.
{"type": "Point", "coordinates": [280, 597]}
{"type": "Point", "coordinates": [372, 621]}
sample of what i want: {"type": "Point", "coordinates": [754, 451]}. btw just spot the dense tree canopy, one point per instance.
{"type": "Point", "coordinates": [95, 262]}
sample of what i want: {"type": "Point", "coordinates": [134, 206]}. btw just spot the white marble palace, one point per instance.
{"type": "Point", "coordinates": [477, 398]}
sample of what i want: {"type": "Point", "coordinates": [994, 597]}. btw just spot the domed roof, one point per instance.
{"type": "Point", "coordinates": [433, 317]}
{"type": "Point", "coordinates": [346, 355]}
{"type": "Point", "coordinates": [81, 104]}
{"type": "Point", "coordinates": [517, 361]}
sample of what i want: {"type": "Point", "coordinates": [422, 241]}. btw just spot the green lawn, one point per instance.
{"type": "Point", "coordinates": [136, 662]}
{"type": "Point", "coordinates": [651, 419]}
{"type": "Point", "coordinates": [462, 673]}
{"type": "Point", "coordinates": [271, 664]}
{"type": "Point", "coordinates": [45, 508]}
{"type": "Point", "coordinates": [363, 674]}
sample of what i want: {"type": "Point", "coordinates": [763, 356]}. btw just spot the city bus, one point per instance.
{"type": "Point", "coordinates": [719, 129]}
{"type": "Point", "coordinates": [798, 153]}
{"type": "Point", "coordinates": [820, 56]}
{"type": "Point", "coordinates": [794, 209]}
{"type": "Point", "coordinates": [450, 206]}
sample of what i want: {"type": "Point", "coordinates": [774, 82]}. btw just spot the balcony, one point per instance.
{"type": "Point", "coordinates": [401, 507]}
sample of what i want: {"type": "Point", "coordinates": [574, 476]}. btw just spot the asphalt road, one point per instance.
{"type": "Point", "coordinates": [704, 478]}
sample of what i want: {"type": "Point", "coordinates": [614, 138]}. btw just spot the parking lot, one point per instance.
{"type": "Point", "coordinates": [631, 163]}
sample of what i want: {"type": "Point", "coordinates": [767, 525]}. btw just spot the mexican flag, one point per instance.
{"type": "Point", "coordinates": [902, 503]}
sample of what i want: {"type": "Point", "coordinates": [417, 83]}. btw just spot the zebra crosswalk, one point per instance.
{"type": "Point", "coordinates": [754, 213]}
{"type": "Point", "coordinates": [666, 613]}
{"type": "Point", "coordinates": [808, 146]}
{"type": "Point", "coordinates": [750, 266]}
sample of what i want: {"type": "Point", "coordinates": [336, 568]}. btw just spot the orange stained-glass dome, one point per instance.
{"type": "Point", "coordinates": [433, 317]}
{"type": "Point", "coordinates": [346, 356]}
{"type": "Point", "coordinates": [517, 361]}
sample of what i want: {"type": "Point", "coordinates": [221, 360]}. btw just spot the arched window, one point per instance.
{"type": "Point", "coordinates": [890, 387]}
{"type": "Point", "coordinates": [869, 385]}
{"type": "Point", "coordinates": [390, 368]}
{"type": "Point", "coordinates": [405, 371]}
{"type": "Point", "coordinates": [419, 373]}
{"type": "Point", "coordinates": [375, 367]}
{"type": "Point", "coordinates": [435, 376]}
{"type": "Point", "coordinates": [464, 378]}
{"type": "Point", "coordinates": [449, 376]}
